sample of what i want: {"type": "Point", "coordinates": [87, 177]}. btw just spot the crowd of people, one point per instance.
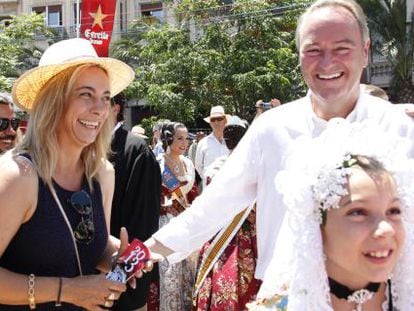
{"type": "Point", "coordinates": [309, 207]}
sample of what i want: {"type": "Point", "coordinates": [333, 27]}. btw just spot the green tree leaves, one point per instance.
{"type": "Point", "coordinates": [229, 55]}
{"type": "Point", "coordinates": [17, 53]}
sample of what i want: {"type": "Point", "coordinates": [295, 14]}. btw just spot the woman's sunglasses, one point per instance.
{"type": "Point", "coordinates": [84, 231]}
{"type": "Point", "coordinates": [4, 123]}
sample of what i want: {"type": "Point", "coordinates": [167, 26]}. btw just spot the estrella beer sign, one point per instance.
{"type": "Point", "coordinates": [97, 22]}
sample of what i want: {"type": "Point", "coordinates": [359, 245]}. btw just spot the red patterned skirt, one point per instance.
{"type": "Point", "coordinates": [231, 283]}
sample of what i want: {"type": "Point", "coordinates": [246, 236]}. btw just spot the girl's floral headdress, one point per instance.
{"type": "Point", "coordinates": [330, 185]}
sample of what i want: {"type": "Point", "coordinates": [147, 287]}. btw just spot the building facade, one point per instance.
{"type": "Point", "coordinates": [63, 16]}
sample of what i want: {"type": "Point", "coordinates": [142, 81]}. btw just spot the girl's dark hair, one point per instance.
{"type": "Point", "coordinates": [167, 133]}
{"type": "Point", "coordinates": [369, 164]}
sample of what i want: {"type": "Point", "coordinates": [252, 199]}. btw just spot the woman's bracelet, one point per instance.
{"type": "Point", "coordinates": [58, 303]}
{"type": "Point", "coordinates": [32, 299]}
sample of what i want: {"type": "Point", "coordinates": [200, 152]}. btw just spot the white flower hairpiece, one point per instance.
{"type": "Point", "coordinates": [330, 185]}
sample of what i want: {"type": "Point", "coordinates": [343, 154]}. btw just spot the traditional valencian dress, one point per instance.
{"type": "Point", "coordinates": [231, 283]}
{"type": "Point", "coordinates": [177, 280]}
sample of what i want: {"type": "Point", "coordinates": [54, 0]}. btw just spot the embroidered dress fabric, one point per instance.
{"type": "Point", "coordinates": [302, 267]}
{"type": "Point", "coordinates": [177, 280]}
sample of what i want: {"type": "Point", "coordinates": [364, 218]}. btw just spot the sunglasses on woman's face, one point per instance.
{"type": "Point", "coordinates": [4, 123]}
{"type": "Point", "coordinates": [84, 231]}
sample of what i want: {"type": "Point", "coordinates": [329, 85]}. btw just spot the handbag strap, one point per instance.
{"type": "Point", "coordinates": [65, 217]}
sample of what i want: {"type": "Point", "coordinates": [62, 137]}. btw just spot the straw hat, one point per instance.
{"type": "Point", "coordinates": [60, 56]}
{"type": "Point", "coordinates": [216, 112]}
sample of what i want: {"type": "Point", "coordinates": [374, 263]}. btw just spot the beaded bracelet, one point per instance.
{"type": "Point", "coordinates": [32, 300]}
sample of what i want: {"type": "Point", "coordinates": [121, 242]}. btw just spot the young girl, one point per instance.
{"type": "Point", "coordinates": [350, 204]}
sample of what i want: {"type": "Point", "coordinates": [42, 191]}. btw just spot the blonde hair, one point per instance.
{"type": "Point", "coordinates": [350, 5]}
{"type": "Point", "coordinates": [40, 140]}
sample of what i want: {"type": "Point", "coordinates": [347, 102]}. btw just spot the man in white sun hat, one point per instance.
{"type": "Point", "coordinates": [213, 145]}
{"type": "Point", "coordinates": [57, 185]}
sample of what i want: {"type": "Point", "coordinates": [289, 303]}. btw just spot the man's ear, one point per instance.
{"type": "Point", "coordinates": [367, 44]}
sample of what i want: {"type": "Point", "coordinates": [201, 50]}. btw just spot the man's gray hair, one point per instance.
{"type": "Point", "coordinates": [6, 99]}
{"type": "Point", "coordinates": [350, 5]}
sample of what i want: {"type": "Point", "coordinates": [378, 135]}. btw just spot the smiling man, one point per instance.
{"type": "Point", "coordinates": [333, 42]}
{"type": "Point", "coordinates": [8, 123]}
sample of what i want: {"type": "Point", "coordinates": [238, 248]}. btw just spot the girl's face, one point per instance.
{"type": "Point", "coordinates": [363, 239]}
{"type": "Point", "coordinates": [87, 108]}
{"type": "Point", "coordinates": [180, 141]}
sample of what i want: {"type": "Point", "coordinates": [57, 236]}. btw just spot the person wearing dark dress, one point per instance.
{"type": "Point", "coordinates": [136, 199]}
{"type": "Point", "coordinates": [56, 186]}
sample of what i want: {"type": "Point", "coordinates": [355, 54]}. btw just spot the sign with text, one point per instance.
{"type": "Point", "coordinates": [97, 23]}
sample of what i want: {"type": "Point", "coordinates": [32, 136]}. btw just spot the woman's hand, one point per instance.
{"type": "Point", "coordinates": [148, 265]}
{"type": "Point", "coordinates": [92, 292]}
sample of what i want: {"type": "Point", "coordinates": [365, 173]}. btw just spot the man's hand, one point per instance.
{"type": "Point", "coordinates": [409, 109]}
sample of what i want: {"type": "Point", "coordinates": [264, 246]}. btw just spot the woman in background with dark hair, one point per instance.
{"type": "Point", "coordinates": [178, 174]}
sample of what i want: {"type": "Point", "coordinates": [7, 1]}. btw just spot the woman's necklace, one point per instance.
{"type": "Point", "coordinates": [176, 166]}
{"type": "Point", "coordinates": [359, 297]}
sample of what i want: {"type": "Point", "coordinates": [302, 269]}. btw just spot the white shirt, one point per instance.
{"type": "Point", "coordinates": [158, 150]}
{"type": "Point", "coordinates": [192, 151]}
{"type": "Point", "coordinates": [250, 171]}
{"type": "Point", "coordinates": [208, 150]}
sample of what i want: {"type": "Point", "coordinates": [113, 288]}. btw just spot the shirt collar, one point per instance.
{"type": "Point", "coordinates": [317, 124]}
{"type": "Point", "coordinates": [117, 126]}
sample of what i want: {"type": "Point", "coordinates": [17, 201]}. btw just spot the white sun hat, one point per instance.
{"type": "Point", "coordinates": [216, 112]}
{"type": "Point", "coordinates": [61, 56]}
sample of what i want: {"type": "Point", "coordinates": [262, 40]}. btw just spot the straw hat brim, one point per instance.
{"type": "Point", "coordinates": [28, 85]}
{"type": "Point", "coordinates": [207, 119]}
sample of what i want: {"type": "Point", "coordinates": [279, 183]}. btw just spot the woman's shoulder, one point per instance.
{"type": "Point", "coordinates": [275, 303]}
{"type": "Point", "coordinates": [19, 181]}
{"type": "Point", "coordinates": [106, 167]}
{"type": "Point", "coordinates": [17, 168]}
{"type": "Point", "coordinates": [187, 161]}
{"type": "Point", "coordinates": [106, 171]}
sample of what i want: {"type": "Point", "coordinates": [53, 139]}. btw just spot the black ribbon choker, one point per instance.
{"type": "Point", "coordinates": [343, 292]}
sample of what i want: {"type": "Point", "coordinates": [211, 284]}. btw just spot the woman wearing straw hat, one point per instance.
{"type": "Point", "coordinates": [56, 186]}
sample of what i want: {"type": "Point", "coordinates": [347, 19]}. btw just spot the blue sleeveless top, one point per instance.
{"type": "Point", "coordinates": [44, 246]}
